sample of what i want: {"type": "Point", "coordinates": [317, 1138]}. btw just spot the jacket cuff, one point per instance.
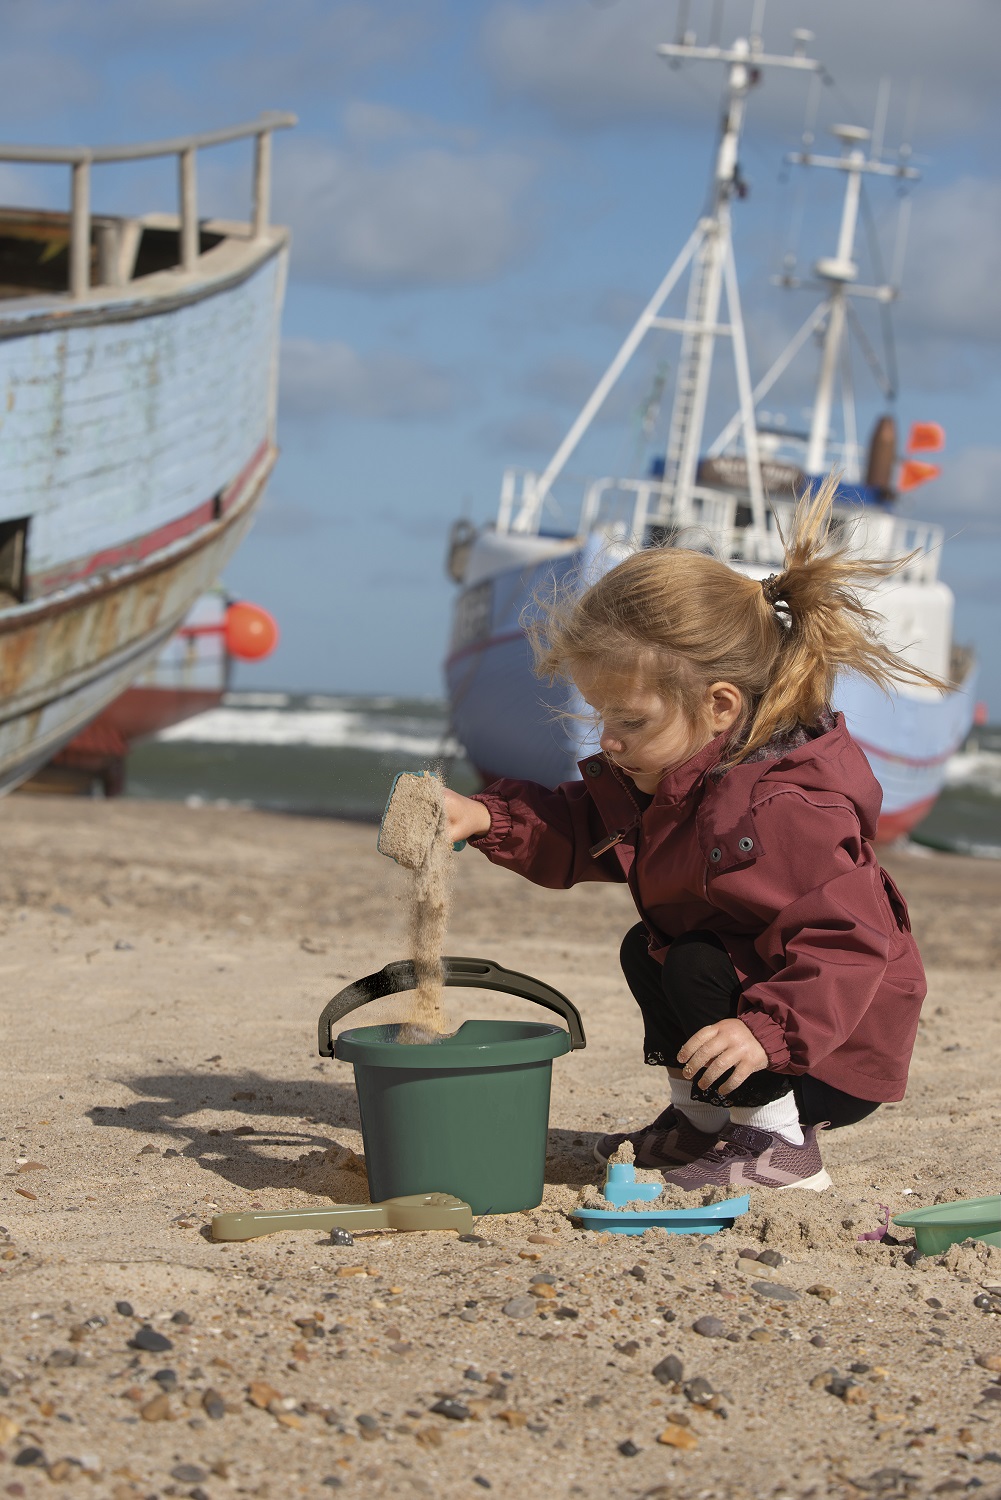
{"type": "Point", "coordinates": [501, 823]}
{"type": "Point", "coordinates": [766, 1030]}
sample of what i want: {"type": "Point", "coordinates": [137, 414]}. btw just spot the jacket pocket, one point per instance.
{"type": "Point", "coordinates": [897, 903]}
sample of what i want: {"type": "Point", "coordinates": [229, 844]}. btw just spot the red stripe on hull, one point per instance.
{"type": "Point", "coordinates": [137, 549]}
{"type": "Point", "coordinates": [896, 824]}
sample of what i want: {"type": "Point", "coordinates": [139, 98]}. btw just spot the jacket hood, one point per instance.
{"type": "Point", "coordinates": [829, 759]}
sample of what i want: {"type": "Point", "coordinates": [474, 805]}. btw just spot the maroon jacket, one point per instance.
{"type": "Point", "coordinates": [774, 856]}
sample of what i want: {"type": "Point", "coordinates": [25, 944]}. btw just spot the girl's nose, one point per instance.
{"type": "Point", "coordinates": [609, 742]}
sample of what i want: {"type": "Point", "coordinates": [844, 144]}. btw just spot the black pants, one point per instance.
{"type": "Point", "coordinates": [696, 986]}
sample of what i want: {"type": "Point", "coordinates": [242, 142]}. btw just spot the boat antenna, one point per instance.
{"type": "Point", "coordinates": [708, 257]}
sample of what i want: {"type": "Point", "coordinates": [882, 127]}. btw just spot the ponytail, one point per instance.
{"type": "Point", "coordinates": [826, 627]}
{"type": "Point", "coordinates": [682, 620]}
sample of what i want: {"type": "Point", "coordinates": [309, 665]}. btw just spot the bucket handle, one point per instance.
{"type": "Point", "coordinates": [463, 973]}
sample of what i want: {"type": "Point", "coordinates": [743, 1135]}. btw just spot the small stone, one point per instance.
{"type": "Point", "coordinates": [148, 1339]}
{"type": "Point", "coordinates": [709, 1327]}
{"type": "Point", "coordinates": [512, 1418]}
{"type": "Point", "coordinates": [628, 1449]}
{"type": "Point", "coordinates": [213, 1405]}
{"type": "Point", "coordinates": [675, 1436]}
{"type": "Point", "coordinates": [630, 1347]}
{"type": "Point", "coordinates": [121, 946]}
{"type": "Point", "coordinates": [566, 1312]}
{"type": "Point", "coordinates": [62, 1469]}
{"type": "Point", "coordinates": [543, 1239]}
{"type": "Point", "coordinates": [698, 1391]}
{"type": "Point", "coordinates": [261, 1394]}
{"type": "Point", "coordinates": [350, 1270]}
{"type": "Point", "coordinates": [61, 1359]}
{"type": "Point", "coordinates": [366, 1421]}
{"type": "Point", "coordinates": [150, 1151]}
{"type": "Point", "coordinates": [818, 1341]}
{"type": "Point", "coordinates": [472, 1239]}
{"type": "Point", "coordinates": [747, 1254]}
{"type": "Point", "coordinates": [669, 1371]}
{"type": "Point", "coordinates": [543, 1291]}
{"type": "Point", "coordinates": [482, 1481]}
{"type": "Point", "coordinates": [166, 1380]}
{"type": "Point", "coordinates": [9, 1430]}
{"type": "Point", "coordinates": [341, 1237]}
{"type": "Point", "coordinates": [775, 1291]}
{"type": "Point", "coordinates": [989, 1361]}
{"type": "Point", "coordinates": [188, 1473]}
{"type": "Point", "coordinates": [639, 1272]}
{"type": "Point", "coordinates": [456, 1410]}
{"type": "Point", "coordinates": [860, 1367]}
{"type": "Point", "coordinates": [542, 1278]}
{"type": "Point", "coordinates": [761, 1335]}
{"type": "Point", "coordinates": [182, 1318]}
{"type": "Point", "coordinates": [30, 1458]}
{"type": "Point", "coordinates": [771, 1258]}
{"type": "Point", "coordinates": [26, 1193]}
{"type": "Point", "coordinates": [157, 1410]}
{"type": "Point", "coordinates": [521, 1306]}
{"type": "Point", "coordinates": [991, 1393]}
{"type": "Point", "coordinates": [825, 1293]}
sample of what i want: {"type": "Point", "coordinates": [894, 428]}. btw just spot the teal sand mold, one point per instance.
{"type": "Point", "coordinates": [621, 1187]}
{"type": "Point", "coordinates": [944, 1224]}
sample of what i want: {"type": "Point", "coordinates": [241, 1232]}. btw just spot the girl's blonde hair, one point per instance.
{"type": "Point", "coordinates": [683, 620]}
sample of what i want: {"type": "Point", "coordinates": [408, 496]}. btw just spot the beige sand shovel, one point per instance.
{"type": "Point", "coordinates": [415, 1211]}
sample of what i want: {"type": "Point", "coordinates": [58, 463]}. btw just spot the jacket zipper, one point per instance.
{"type": "Point", "coordinates": [603, 845]}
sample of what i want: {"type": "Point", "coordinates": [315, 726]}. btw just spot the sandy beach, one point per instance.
{"type": "Point", "coordinates": [163, 970]}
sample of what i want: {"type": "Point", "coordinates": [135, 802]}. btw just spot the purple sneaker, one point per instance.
{"type": "Point", "coordinates": [744, 1157]}
{"type": "Point", "coordinates": [670, 1141]}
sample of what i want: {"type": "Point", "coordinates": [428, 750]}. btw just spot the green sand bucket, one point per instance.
{"type": "Point", "coordinates": [944, 1224]}
{"type": "Point", "coordinates": [468, 1115]}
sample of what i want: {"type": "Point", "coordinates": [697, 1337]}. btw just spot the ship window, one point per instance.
{"type": "Point", "coordinates": [13, 550]}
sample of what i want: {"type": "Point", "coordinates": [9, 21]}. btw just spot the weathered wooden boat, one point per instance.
{"type": "Point", "coordinates": [138, 378]}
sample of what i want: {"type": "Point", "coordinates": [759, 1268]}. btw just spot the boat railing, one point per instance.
{"type": "Point", "coordinates": [118, 239]}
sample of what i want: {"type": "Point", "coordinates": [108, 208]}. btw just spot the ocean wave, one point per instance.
{"type": "Point", "coordinates": [977, 769]}
{"type": "Point", "coordinates": [331, 729]}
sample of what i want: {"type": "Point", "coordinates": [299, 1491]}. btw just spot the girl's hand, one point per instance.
{"type": "Point", "coordinates": [466, 818]}
{"type": "Point", "coordinates": [728, 1044]}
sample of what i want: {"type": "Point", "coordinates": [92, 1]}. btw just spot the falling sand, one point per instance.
{"type": "Point", "coordinates": [415, 833]}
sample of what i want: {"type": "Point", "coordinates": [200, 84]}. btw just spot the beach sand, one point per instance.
{"type": "Point", "coordinates": [163, 969]}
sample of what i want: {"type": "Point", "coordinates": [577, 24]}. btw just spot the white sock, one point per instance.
{"type": "Point", "coordinates": [709, 1118]}
{"type": "Point", "coordinates": [781, 1117]}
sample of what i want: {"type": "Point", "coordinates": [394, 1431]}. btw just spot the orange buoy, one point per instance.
{"type": "Point", "coordinates": [250, 632]}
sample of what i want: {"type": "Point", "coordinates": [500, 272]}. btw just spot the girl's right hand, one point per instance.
{"type": "Point", "coordinates": [466, 818]}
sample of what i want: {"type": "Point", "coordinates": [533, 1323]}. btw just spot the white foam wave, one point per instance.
{"type": "Point", "coordinates": [326, 728]}
{"type": "Point", "coordinates": [979, 769]}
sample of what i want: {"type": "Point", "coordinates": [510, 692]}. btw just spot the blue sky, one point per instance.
{"type": "Point", "coordinates": [482, 196]}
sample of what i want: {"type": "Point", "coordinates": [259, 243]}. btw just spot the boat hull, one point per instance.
{"type": "Point", "coordinates": [513, 724]}
{"type": "Point", "coordinates": [63, 660]}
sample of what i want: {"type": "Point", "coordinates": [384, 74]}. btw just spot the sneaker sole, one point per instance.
{"type": "Point", "coordinates": [815, 1184]}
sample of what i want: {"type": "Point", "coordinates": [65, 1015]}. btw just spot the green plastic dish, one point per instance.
{"type": "Point", "coordinates": [944, 1224]}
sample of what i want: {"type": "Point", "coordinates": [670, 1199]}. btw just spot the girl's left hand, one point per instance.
{"type": "Point", "coordinates": [728, 1044]}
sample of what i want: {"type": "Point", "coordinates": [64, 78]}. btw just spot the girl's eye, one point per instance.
{"type": "Point", "coordinates": [633, 723]}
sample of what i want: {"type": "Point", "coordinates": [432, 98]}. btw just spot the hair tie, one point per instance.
{"type": "Point", "coordinates": [771, 587]}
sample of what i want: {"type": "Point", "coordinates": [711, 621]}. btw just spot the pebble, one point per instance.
{"type": "Point", "coordinates": [991, 1393]}
{"type": "Point", "coordinates": [341, 1237]}
{"type": "Point", "coordinates": [188, 1473]}
{"type": "Point", "coordinates": [157, 1410]}
{"type": "Point", "coordinates": [125, 1308]}
{"type": "Point", "coordinates": [675, 1436]}
{"type": "Point", "coordinates": [482, 1481]}
{"type": "Point", "coordinates": [543, 1290]}
{"type": "Point", "coordinates": [989, 1361]}
{"type": "Point", "coordinates": [29, 1458]}
{"type": "Point", "coordinates": [213, 1405]}
{"type": "Point", "coordinates": [630, 1347]}
{"type": "Point", "coordinates": [747, 1255]}
{"type": "Point", "coordinates": [166, 1380]}
{"type": "Point", "coordinates": [61, 1359]}
{"type": "Point", "coordinates": [181, 1317]}
{"type": "Point", "coordinates": [669, 1371]}
{"type": "Point", "coordinates": [709, 1327]}
{"type": "Point", "coordinates": [698, 1391]}
{"type": "Point", "coordinates": [818, 1341]}
{"type": "Point", "coordinates": [771, 1258]}
{"type": "Point", "coordinates": [775, 1291]}
{"type": "Point", "coordinates": [521, 1306]}
{"type": "Point", "coordinates": [448, 1407]}
{"type": "Point", "coordinates": [472, 1239]}
{"type": "Point", "coordinates": [628, 1449]}
{"type": "Point", "coordinates": [152, 1342]}
{"type": "Point", "coordinates": [639, 1272]}
{"type": "Point", "coordinates": [761, 1335]}
{"type": "Point", "coordinates": [825, 1293]}
{"type": "Point", "coordinates": [543, 1239]}
{"type": "Point", "coordinates": [542, 1279]}
{"type": "Point", "coordinates": [566, 1312]}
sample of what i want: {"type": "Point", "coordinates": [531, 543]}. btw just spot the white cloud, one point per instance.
{"type": "Point", "coordinates": [951, 279]}
{"type": "Point", "coordinates": [329, 379]}
{"type": "Point", "coordinates": [590, 65]}
{"type": "Point", "coordinates": [427, 216]}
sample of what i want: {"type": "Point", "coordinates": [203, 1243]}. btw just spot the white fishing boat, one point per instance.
{"type": "Point", "coordinates": [732, 492]}
{"type": "Point", "coordinates": [138, 379]}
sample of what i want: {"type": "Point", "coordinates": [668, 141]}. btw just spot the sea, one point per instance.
{"type": "Point", "coordinates": [335, 755]}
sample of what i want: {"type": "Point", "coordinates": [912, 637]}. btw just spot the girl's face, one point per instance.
{"type": "Point", "coordinates": [646, 735]}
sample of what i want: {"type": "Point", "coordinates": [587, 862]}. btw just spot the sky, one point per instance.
{"type": "Point", "coordinates": [482, 196]}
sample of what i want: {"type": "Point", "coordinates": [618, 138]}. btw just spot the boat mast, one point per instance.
{"type": "Point", "coordinates": [839, 272]}
{"type": "Point", "coordinates": [709, 252]}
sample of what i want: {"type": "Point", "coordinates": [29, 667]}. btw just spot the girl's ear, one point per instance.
{"type": "Point", "coordinates": [726, 704]}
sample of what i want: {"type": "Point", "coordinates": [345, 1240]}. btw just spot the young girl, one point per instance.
{"type": "Point", "coordinates": [774, 965]}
